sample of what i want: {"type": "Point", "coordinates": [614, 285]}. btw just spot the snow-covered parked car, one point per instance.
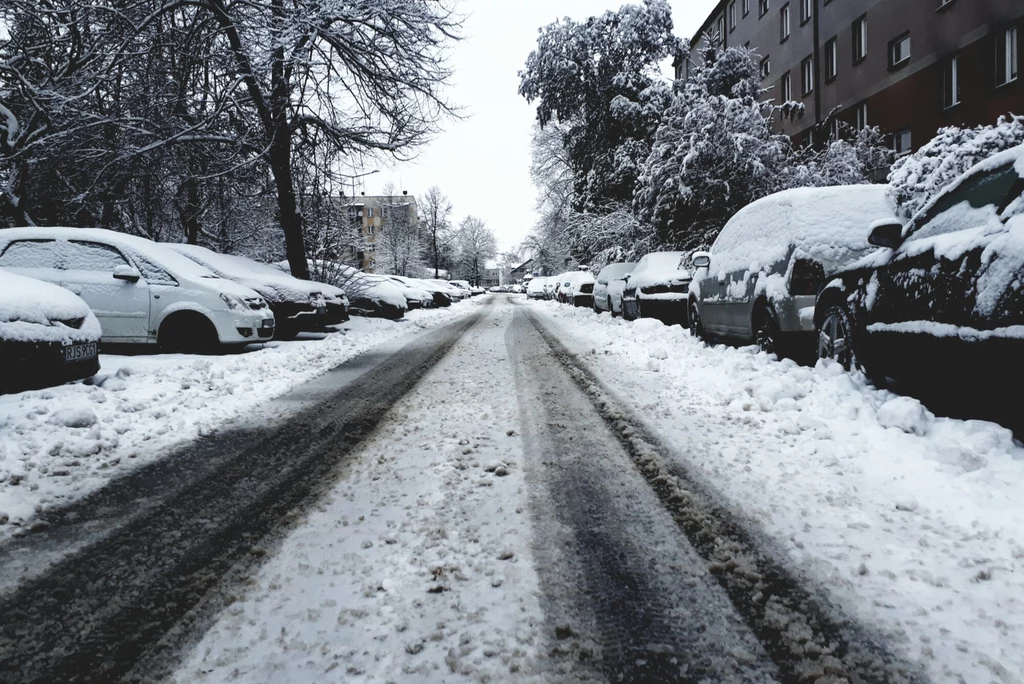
{"type": "Point", "coordinates": [368, 295]}
{"type": "Point", "coordinates": [551, 287]}
{"type": "Point", "coordinates": [48, 335]}
{"type": "Point", "coordinates": [337, 304]}
{"type": "Point", "coordinates": [440, 296]}
{"type": "Point", "coordinates": [416, 296]}
{"type": "Point", "coordinates": [463, 287]}
{"type": "Point", "coordinates": [142, 292]}
{"type": "Point", "coordinates": [657, 288]}
{"type": "Point", "coordinates": [608, 290]}
{"type": "Point", "coordinates": [298, 305]}
{"type": "Point", "coordinates": [535, 290]}
{"type": "Point", "coordinates": [456, 294]}
{"type": "Point", "coordinates": [477, 290]}
{"type": "Point", "coordinates": [761, 277]}
{"type": "Point", "coordinates": [941, 300]}
{"type": "Point", "coordinates": [576, 288]}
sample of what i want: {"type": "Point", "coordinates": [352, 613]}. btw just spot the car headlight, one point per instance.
{"type": "Point", "coordinates": [234, 303]}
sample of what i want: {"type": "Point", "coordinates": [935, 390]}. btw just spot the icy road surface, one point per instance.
{"type": "Point", "coordinates": [499, 501]}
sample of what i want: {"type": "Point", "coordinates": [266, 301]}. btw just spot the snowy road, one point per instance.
{"type": "Point", "coordinates": [478, 505]}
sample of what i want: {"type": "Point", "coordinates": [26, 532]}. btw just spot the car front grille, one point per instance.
{"type": "Point", "coordinates": [664, 288]}
{"type": "Point", "coordinates": [75, 323]}
{"type": "Point", "coordinates": [587, 289]}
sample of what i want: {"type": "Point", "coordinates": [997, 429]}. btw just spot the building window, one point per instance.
{"type": "Point", "coordinates": [901, 142]}
{"type": "Point", "coordinates": [784, 22]}
{"type": "Point", "coordinates": [831, 59]}
{"type": "Point", "coordinates": [762, 7]}
{"type": "Point", "coordinates": [732, 15]}
{"type": "Point", "coordinates": [951, 83]}
{"type": "Point", "coordinates": [1006, 56]}
{"type": "Point", "coordinates": [787, 87]}
{"type": "Point", "coordinates": [833, 129]}
{"type": "Point", "coordinates": [807, 139]}
{"type": "Point", "coordinates": [766, 67]}
{"type": "Point", "coordinates": [860, 39]}
{"type": "Point", "coordinates": [861, 116]}
{"type": "Point", "coordinates": [805, 11]}
{"type": "Point", "coordinates": [746, 7]}
{"type": "Point", "coordinates": [899, 51]}
{"type": "Point", "coordinates": [721, 28]}
{"type": "Point", "coordinates": [807, 72]}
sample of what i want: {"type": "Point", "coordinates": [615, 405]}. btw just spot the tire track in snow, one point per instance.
{"type": "Point", "coordinates": [627, 598]}
{"type": "Point", "coordinates": [111, 604]}
{"type": "Point", "coordinates": [808, 638]}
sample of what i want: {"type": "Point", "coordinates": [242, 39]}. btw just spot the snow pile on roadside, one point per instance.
{"type": "Point", "coordinates": [913, 522]}
{"type": "Point", "coordinates": [61, 443]}
{"type": "Point", "coordinates": [417, 567]}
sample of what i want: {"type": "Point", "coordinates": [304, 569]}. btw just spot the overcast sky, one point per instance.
{"type": "Point", "coordinates": [482, 162]}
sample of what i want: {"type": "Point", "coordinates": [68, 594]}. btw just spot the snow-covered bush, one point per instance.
{"type": "Point", "coordinates": [918, 177]}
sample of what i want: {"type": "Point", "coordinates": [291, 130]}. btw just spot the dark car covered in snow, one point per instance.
{"type": "Point", "coordinates": [942, 299]}
{"type": "Point", "coordinates": [48, 335]}
{"type": "Point", "coordinates": [657, 288]}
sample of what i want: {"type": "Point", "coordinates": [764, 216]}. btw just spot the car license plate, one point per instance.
{"type": "Point", "coordinates": [268, 323]}
{"type": "Point", "coordinates": [79, 352]}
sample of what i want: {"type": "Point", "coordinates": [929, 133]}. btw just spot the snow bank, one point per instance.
{"type": "Point", "coordinates": [915, 523]}
{"type": "Point", "coordinates": [60, 443]}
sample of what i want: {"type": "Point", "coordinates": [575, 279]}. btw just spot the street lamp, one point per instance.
{"type": "Point", "coordinates": [359, 175]}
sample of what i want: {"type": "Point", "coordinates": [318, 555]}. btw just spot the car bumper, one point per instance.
{"type": "Point", "coordinates": [669, 310]}
{"type": "Point", "coordinates": [33, 365]}
{"type": "Point", "coordinates": [583, 300]}
{"type": "Point", "coordinates": [239, 328]}
{"type": "Point", "coordinates": [298, 317]}
{"type": "Point", "coordinates": [336, 313]}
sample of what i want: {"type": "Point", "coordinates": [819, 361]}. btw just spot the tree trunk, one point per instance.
{"type": "Point", "coordinates": [190, 212]}
{"type": "Point", "coordinates": [291, 219]}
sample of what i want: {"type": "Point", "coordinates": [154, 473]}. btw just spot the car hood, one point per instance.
{"type": "Point", "coordinates": [34, 311]}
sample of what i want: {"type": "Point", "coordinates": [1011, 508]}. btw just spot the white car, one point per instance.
{"type": "Point", "coordinates": [368, 294]}
{"type": "Point", "coordinates": [608, 291]}
{"type": "Point", "coordinates": [298, 305]}
{"type": "Point", "coordinates": [141, 291]}
{"type": "Point", "coordinates": [576, 288]}
{"type": "Point", "coordinates": [48, 336]}
{"type": "Point", "coordinates": [416, 296]}
{"type": "Point", "coordinates": [535, 290]}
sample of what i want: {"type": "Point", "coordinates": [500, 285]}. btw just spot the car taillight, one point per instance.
{"type": "Point", "coordinates": [808, 277]}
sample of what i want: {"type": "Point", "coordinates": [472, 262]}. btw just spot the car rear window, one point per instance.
{"type": "Point", "coordinates": [30, 254]}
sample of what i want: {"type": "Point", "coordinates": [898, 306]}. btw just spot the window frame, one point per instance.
{"type": "Point", "coordinates": [806, 11]}
{"type": "Point", "coordinates": [897, 136]}
{"type": "Point", "coordinates": [951, 68]}
{"type": "Point", "coordinates": [860, 114]}
{"type": "Point", "coordinates": [807, 75]}
{"type": "Point", "coordinates": [763, 7]}
{"type": "Point", "coordinates": [893, 45]}
{"type": "Point", "coordinates": [91, 244]}
{"type": "Point", "coordinates": [786, 86]}
{"type": "Point", "coordinates": [859, 27]}
{"type": "Point", "coordinates": [785, 27]}
{"type": "Point", "coordinates": [765, 67]}
{"type": "Point", "coordinates": [732, 16]}
{"type": "Point", "coordinates": [1010, 65]}
{"type": "Point", "coordinates": [831, 59]}
{"type": "Point", "coordinates": [746, 7]}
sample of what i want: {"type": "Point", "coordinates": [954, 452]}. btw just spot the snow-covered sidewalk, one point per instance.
{"type": "Point", "coordinates": [418, 566]}
{"type": "Point", "coordinates": [61, 443]}
{"type": "Point", "coordinates": [914, 523]}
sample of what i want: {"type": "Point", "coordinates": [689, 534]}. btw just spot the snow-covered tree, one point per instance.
{"type": "Point", "coordinates": [400, 245]}
{"type": "Point", "coordinates": [475, 245]}
{"type": "Point", "coordinates": [918, 177]}
{"type": "Point", "coordinates": [435, 219]}
{"type": "Point", "coordinates": [599, 77]}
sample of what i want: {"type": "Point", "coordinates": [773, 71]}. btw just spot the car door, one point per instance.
{"type": "Point", "coordinates": [929, 285]}
{"type": "Point", "coordinates": [122, 306]}
{"type": "Point", "coordinates": [715, 302]}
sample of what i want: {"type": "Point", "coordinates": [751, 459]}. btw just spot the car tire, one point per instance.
{"type": "Point", "coordinates": [837, 337]}
{"type": "Point", "coordinates": [695, 324]}
{"type": "Point", "coordinates": [766, 330]}
{"type": "Point", "coordinates": [611, 309]}
{"type": "Point", "coordinates": [187, 332]}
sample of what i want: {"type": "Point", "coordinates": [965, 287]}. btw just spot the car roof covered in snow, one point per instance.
{"type": "Point", "coordinates": [828, 224]}
{"type": "Point", "coordinates": [275, 285]}
{"type": "Point", "coordinates": [616, 271]}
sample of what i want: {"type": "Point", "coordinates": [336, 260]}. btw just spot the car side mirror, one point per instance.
{"type": "Point", "coordinates": [887, 233]}
{"type": "Point", "coordinates": [701, 259]}
{"type": "Point", "coordinates": [127, 273]}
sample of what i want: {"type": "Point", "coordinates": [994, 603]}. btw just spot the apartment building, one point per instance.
{"type": "Point", "coordinates": [375, 214]}
{"type": "Point", "coordinates": [906, 66]}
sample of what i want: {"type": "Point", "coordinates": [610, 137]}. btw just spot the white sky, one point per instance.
{"type": "Point", "coordinates": [483, 162]}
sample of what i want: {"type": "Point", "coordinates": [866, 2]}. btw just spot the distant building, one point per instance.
{"type": "Point", "coordinates": [374, 213]}
{"type": "Point", "coordinates": [490, 276]}
{"type": "Point", "coordinates": [522, 270]}
{"type": "Point", "coordinates": [906, 66]}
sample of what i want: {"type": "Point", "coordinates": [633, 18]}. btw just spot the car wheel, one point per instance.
{"type": "Point", "coordinates": [766, 330]}
{"type": "Point", "coordinates": [611, 309]}
{"type": "Point", "coordinates": [187, 332]}
{"type": "Point", "coordinates": [836, 336]}
{"type": "Point", "coordinates": [695, 324]}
